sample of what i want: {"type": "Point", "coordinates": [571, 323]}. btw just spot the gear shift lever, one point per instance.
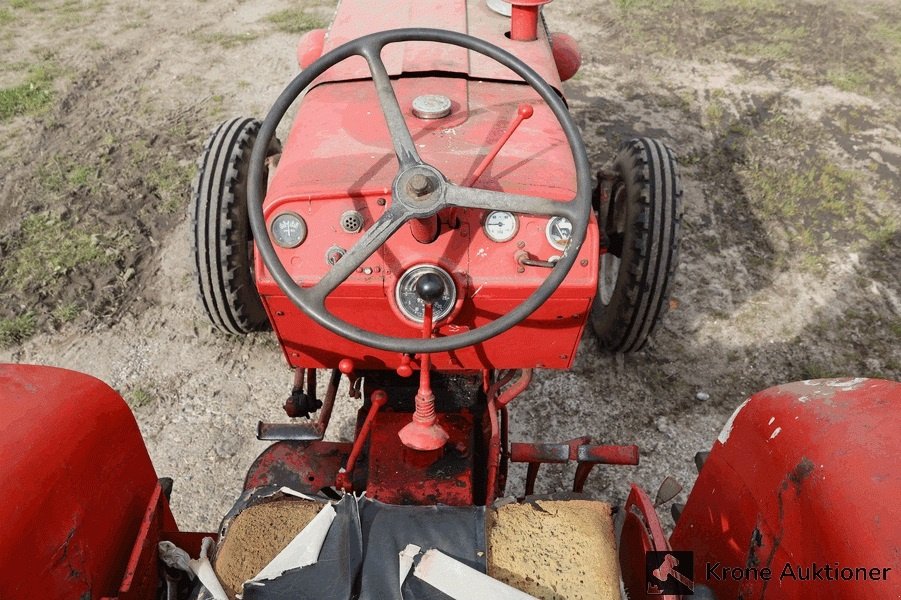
{"type": "Point", "coordinates": [423, 432]}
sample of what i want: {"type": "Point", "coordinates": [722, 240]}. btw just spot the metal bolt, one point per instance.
{"type": "Point", "coordinates": [521, 270]}
{"type": "Point", "coordinates": [584, 262]}
{"type": "Point", "coordinates": [367, 271]}
{"type": "Point", "coordinates": [380, 202]}
{"type": "Point", "coordinates": [520, 244]}
{"type": "Point", "coordinates": [419, 185]}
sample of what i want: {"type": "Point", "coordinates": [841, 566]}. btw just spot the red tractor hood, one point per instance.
{"type": "Point", "coordinates": [356, 18]}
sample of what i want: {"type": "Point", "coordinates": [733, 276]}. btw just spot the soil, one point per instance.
{"type": "Point", "coordinates": [784, 116]}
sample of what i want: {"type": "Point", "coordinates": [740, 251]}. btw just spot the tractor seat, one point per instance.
{"type": "Point", "coordinates": [549, 549]}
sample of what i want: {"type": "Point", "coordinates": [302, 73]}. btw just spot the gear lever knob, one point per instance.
{"type": "Point", "coordinates": [430, 288]}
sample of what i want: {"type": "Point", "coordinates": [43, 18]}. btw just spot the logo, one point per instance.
{"type": "Point", "coordinates": [669, 572]}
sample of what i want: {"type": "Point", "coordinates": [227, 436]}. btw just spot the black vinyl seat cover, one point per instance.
{"type": "Point", "coordinates": [359, 559]}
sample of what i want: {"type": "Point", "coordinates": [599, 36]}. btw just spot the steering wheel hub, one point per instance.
{"type": "Point", "coordinates": [419, 189]}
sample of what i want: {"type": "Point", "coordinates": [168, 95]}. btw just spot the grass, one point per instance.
{"type": "Point", "coordinates": [16, 329]}
{"type": "Point", "coordinates": [813, 202]}
{"type": "Point", "coordinates": [818, 370]}
{"type": "Point", "coordinates": [62, 174]}
{"type": "Point", "coordinates": [49, 247]}
{"type": "Point", "coordinates": [6, 17]}
{"type": "Point", "coordinates": [854, 49]}
{"type": "Point", "coordinates": [66, 313]}
{"type": "Point", "coordinates": [294, 20]}
{"type": "Point", "coordinates": [171, 181]}
{"type": "Point", "coordinates": [849, 81]}
{"type": "Point", "coordinates": [895, 327]}
{"type": "Point", "coordinates": [227, 40]}
{"type": "Point", "coordinates": [817, 191]}
{"type": "Point", "coordinates": [28, 98]}
{"type": "Point", "coordinates": [139, 397]}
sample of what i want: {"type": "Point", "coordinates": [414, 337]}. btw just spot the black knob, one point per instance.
{"type": "Point", "coordinates": [429, 287]}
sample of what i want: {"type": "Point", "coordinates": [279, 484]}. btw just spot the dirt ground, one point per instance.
{"type": "Point", "coordinates": [785, 116]}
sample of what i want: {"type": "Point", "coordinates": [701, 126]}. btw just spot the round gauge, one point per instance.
{"type": "Point", "coordinates": [412, 306]}
{"type": "Point", "coordinates": [501, 226]}
{"type": "Point", "coordinates": [559, 232]}
{"type": "Point", "coordinates": [288, 230]}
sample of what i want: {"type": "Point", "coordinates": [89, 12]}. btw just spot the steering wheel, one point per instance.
{"type": "Point", "coordinates": [419, 190]}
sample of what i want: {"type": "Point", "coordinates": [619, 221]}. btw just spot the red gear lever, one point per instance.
{"type": "Point", "coordinates": [424, 432]}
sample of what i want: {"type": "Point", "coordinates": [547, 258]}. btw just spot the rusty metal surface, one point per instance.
{"type": "Point", "coordinates": [803, 474]}
{"type": "Point", "coordinates": [398, 475]}
{"type": "Point", "coordinates": [641, 532]}
{"type": "Point", "coordinates": [579, 450]}
{"type": "Point", "coordinates": [304, 431]}
{"type": "Point", "coordinates": [303, 466]}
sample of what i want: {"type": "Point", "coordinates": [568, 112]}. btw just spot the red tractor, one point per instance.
{"type": "Point", "coordinates": [431, 232]}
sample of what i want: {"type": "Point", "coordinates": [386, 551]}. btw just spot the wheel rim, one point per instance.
{"type": "Point", "coordinates": [607, 277]}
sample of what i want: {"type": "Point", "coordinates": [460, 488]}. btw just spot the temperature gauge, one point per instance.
{"type": "Point", "coordinates": [501, 226]}
{"type": "Point", "coordinates": [559, 232]}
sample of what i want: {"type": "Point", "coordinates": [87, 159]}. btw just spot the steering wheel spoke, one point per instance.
{"type": "Point", "coordinates": [404, 147]}
{"type": "Point", "coordinates": [466, 197]}
{"type": "Point", "coordinates": [390, 221]}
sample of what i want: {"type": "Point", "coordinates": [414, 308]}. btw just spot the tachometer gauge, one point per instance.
{"type": "Point", "coordinates": [412, 306]}
{"type": "Point", "coordinates": [559, 232]}
{"type": "Point", "coordinates": [288, 230]}
{"type": "Point", "coordinates": [501, 226]}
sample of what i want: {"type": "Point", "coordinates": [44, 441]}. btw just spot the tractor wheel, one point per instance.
{"type": "Point", "coordinates": [223, 242]}
{"type": "Point", "coordinates": [639, 211]}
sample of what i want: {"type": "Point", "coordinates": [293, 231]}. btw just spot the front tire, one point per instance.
{"type": "Point", "coordinates": [223, 243]}
{"type": "Point", "coordinates": [640, 212]}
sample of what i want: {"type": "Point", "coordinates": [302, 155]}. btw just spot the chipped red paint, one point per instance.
{"type": "Point", "coordinates": [641, 533]}
{"type": "Point", "coordinates": [807, 476]}
{"type": "Point", "coordinates": [398, 475]}
{"type": "Point", "coordinates": [303, 466]}
{"type": "Point", "coordinates": [79, 482]}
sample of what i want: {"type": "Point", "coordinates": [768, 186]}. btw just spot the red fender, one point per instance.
{"type": "Point", "coordinates": [804, 482]}
{"type": "Point", "coordinates": [77, 485]}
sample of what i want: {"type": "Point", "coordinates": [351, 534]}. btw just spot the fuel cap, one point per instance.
{"type": "Point", "coordinates": [431, 106]}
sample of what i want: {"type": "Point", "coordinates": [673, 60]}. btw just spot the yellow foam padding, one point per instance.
{"type": "Point", "coordinates": [256, 536]}
{"type": "Point", "coordinates": [555, 549]}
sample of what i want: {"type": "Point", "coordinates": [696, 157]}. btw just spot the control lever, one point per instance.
{"type": "Point", "coordinates": [523, 112]}
{"type": "Point", "coordinates": [423, 432]}
{"type": "Point", "coordinates": [525, 260]}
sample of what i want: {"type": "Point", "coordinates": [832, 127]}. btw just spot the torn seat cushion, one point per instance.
{"type": "Point", "coordinates": [256, 535]}
{"type": "Point", "coordinates": [560, 549]}
{"type": "Point", "coordinates": [555, 549]}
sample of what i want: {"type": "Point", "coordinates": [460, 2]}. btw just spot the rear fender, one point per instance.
{"type": "Point", "coordinates": [78, 485]}
{"type": "Point", "coordinates": [803, 476]}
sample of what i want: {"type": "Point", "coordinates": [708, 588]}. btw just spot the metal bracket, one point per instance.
{"type": "Point", "coordinates": [306, 431]}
